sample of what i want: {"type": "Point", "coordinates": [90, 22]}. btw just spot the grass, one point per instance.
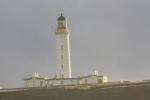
{"type": "Point", "coordinates": [139, 92]}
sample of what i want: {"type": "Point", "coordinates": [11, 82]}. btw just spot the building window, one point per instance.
{"type": "Point", "coordinates": [100, 81]}
{"type": "Point", "coordinates": [41, 83]}
{"type": "Point", "coordinates": [86, 82]}
{"type": "Point", "coordinates": [61, 23]}
{"type": "Point", "coordinates": [61, 47]}
{"type": "Point", "coordinates": [62, 76]}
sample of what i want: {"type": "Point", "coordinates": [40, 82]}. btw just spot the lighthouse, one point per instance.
{"type": "Point", "coordinates": [63, 61]}
{"type": "Point", "coordinates": [63, 76]}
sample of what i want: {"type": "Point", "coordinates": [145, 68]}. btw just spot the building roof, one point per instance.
{"type": "Point", "coordinates": [74, 78]}
{"type": "Point", "coordinates": [82, 77]}
{"type": "Point", "coordinates": [34, 78]}
{"type": "Point", "coordinates": [61, 17]}
{"type": "Point", "coordinates": [90, 76]}
{"type": "Point", "coordinates": [63, 78]}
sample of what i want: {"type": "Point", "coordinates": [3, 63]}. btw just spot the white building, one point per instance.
{"type": "Point", "coordinates": [35, 81]}
{"type": "Point", "coordinates": [63, 64]}
{"type": "Point", "coordinates": [53, 82]}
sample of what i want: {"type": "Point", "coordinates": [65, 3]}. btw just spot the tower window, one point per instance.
{"type": "Point", "coordinates": [62, 47]}
{"type": "Point", "coordinates": [61, 23]}
{"type": "Point", "coordinates": [62, 67]}
{"type": "Point", "coordinates": [61, 56]}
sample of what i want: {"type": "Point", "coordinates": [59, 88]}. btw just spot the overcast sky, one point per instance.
{"type": "Point", "coordinates": [111, 36]}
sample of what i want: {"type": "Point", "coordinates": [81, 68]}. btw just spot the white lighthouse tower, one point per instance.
{"type": "Point", "coordinates": [63, 76]}
{"type": "Point", "coordinates": [63, 49]}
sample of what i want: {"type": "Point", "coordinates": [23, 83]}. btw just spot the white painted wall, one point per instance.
{"type": "Point", "coordinates": [36, 82]}
{"type": "Point", "coordinates": [63, 51]}
{"type": "Point", "coordinates": [105, 79]}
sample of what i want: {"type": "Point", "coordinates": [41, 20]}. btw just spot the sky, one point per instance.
{"type": "Point", "coordinates": [111, 36]}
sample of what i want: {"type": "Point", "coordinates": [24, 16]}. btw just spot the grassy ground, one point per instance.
{"type": "Point", "coordinates": [141, 92]}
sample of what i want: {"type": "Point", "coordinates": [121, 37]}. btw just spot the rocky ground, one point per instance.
{"type": "Point", "coordinates": [134, 91]}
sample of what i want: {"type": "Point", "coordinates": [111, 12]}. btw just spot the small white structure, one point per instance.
{"type": "Point", "coordinates": [35, 81]}
{"type": "Point", "coordinates": [1, 88]}
{"type": "Point", "coordinates": [44, 82]}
